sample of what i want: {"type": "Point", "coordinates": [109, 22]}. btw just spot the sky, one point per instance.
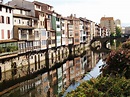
{"type": "Point", "coordinates": [92, 9]}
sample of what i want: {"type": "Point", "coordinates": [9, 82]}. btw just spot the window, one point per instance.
{"type": "Point", "coordinates": [37, 6]}
{"type": "Point", "coordinates": [20, 11]}
{"type": "Point", "coordinates": [63, 32]}
{"type": "Point", "coordinates": [58, 26]}
{"type": "Point", "coordinates": [19, 22]}
{"type": "Point", "coordinates": [8, 33]}
{"type": "Point", "coordinates": [41, 23]}
{"type": "Point", "coordinates": [7, 20]}
{"type": "Point", "coordinates": [76, 40]}
{"type": "Point", "coordinates": [49, 16]}
{"type": "Point", "coordinates": [53, 34]}
{"type": "Point", "coordinates": [76, 34]}
{"type": "Point", "coordinates": [57, 19]}
{"type": "Point", "coordinates": [2, 34]}
{"type": "Point", "coordinates": [6, 9]}
{"type": "Point", "coordinates": [0, 8]}
{"type": "Point", "coordinates": [43, 42]}
{"type": "Point", "coordinates": [36, 33]}
{"type": "Point", "coordinates": [9, 10]}
{"type": "Point", "coordinates": [43, 33]}
{"type": "Point", "coordinates": [1, 19]}
{"type": "Point", "coordinates": [53, 41]}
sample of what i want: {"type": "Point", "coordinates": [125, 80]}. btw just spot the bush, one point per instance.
{"type": "Point", "coordinates": [103, 86]}
{"type": "Point", "coordinates": [118, 62]}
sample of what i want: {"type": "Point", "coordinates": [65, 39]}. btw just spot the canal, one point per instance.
{"type": "Point", "coordinates": [54, 82]}
{"type": "Point", "coordinates": [58, 80]}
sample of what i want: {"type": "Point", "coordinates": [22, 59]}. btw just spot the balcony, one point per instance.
{"type": "Point", "coordinates": [8, 49]}
{"type": "Point", "coordinates": [23, 37]}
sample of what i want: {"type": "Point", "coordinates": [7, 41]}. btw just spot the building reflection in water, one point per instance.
{"type": "Point", "coordinates": [53, 82]}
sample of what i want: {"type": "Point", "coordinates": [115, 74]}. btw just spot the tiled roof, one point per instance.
{"type": "Point", "coordinates": [39, 3]}
{"type": "Point", "coordinates": [6, 5]}
{"type": "Point", "coordinates": [107, 18]}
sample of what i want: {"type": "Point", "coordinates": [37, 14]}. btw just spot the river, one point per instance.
{"type": "Point", "coordinates": [62, 79]}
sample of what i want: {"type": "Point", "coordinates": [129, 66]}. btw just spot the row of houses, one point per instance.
{"type": "Point", "coordinates": [35, 27]}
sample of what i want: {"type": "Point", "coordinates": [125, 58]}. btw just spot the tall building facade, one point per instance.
{"type": "Point", "coordinates": [109, 23]}
{"type": "Point", "coordinates": [118, 23]}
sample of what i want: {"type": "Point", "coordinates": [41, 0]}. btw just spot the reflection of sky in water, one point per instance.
{"type": "Point", "coordinates": [93, 73]}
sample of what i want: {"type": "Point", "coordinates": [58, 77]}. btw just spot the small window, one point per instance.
{"type": "Point", "coordinates": [41, 23]}
{"type": "Point", "coordinates": [0, 8]}
{"type": "Point", "coordinates": [6, 9]}
{"type": "Point", "coordinates": [7, 20]}
{"type": "Point", "coordinates": [21, 11]}
{"type": "Point", "coordinates": [19, 22]}
{"type": "Point", "coordinates": [9, 10]}
{"type": "Point", "coordinates": [1, 19]}
{"type": "Point", "coordinates": [2, 33]}
{"type": "Point", "coordinates": [31, 57]}
{"type": "Point", "coordinates": [8, 33]}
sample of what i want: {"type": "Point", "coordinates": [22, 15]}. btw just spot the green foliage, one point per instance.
{"type": "Point", "coordinates": [118, 31]}
{"type": "Point", "coordinates": [118, 62]}
{"type": "Point", "coordinates": [112, 34]}
{"type": "Point", "coordinates": [115, 81]}
{"type": "Point", "coordinates": [126, 45]}
{"type": "Point", "coordinates": [103, 86]}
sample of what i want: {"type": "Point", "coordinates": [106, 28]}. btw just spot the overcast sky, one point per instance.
{"type": "Point", "coordinates": [92, 9]}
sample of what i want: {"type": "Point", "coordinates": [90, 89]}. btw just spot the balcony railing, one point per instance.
{"type": "Point", "coordinates": [8, 50]}
{"type": "Point", "coordinates": [23, 37]}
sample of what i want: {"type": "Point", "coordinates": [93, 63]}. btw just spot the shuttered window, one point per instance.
{"type": "Point", "coordinates": [2, 34]}
{"type": "Point", "coordinates": [8, 33]}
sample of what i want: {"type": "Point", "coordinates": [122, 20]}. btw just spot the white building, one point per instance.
{"type": "Point", "coordinates": [6, 22]}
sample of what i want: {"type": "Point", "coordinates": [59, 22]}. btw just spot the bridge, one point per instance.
{"type": "Point", "coordinates": [103, 41]}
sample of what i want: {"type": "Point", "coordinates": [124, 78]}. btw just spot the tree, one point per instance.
{"type": "Point", "coordinates": [118, 31]}
{"type": "Point", "coordinates": [103, 87]}
{"type": "Point", "coordinates": [118, 62]}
